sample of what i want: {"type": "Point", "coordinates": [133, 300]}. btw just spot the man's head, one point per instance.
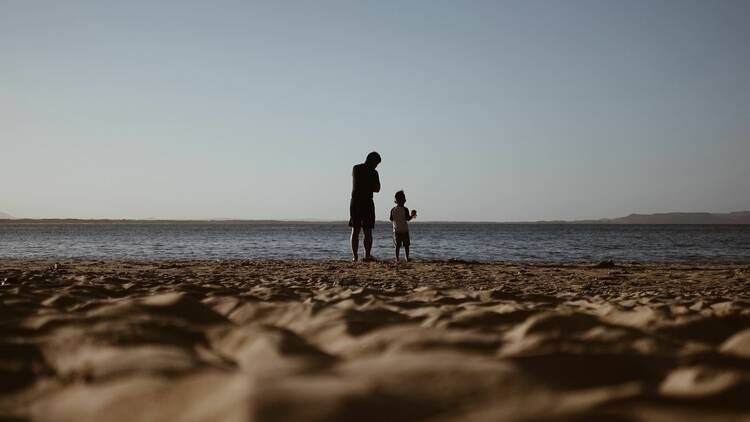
{"type": "Point", "coordinates": [373, 159]}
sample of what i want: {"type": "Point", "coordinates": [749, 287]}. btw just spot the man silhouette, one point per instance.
{"type": "Point", "coordinates": [365, 181]}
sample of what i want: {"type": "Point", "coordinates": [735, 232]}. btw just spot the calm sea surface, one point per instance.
{"type": "Point", "coordinates": [329, 241]}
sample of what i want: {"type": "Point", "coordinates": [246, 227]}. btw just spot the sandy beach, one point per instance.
{"type": "Point", "coordinates": [237, 341]}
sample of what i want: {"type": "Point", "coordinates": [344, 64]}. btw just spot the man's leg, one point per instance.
{"type": "Point", "coordinates": [355, 243]}
{"type": "Point", "coordinates": [397, 251]}
{"type": "Point", "coordinates": [406, 251]}
{"type": "Point", "coordinates": [368, 242]}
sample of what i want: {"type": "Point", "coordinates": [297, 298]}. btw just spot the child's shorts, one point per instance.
{"type": "Point", "coordinates": [401, 239]}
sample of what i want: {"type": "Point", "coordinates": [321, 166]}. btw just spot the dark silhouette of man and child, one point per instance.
{"type": "Point", "coordinates": [366, 182]}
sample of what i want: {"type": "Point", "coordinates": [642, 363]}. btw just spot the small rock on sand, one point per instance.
{"type": "Point", "coordinates": [605, 264]}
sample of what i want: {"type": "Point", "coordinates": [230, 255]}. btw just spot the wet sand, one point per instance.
{"type": "Point", "coordinates": [237, 341]}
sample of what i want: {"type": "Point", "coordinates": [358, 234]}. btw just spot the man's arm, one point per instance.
{"type": "Point", "coordinates": [354, 178]}
{"type": "Point", "coordinates": [376, 182]}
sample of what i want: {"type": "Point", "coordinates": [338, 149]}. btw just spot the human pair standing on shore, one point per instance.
{"type": "Point", "coordinates": [366, 182]}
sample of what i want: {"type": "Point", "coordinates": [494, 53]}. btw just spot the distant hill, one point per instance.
{"type": "Point", "coordinates": [5, 216]}
{"type": "Point", "coordinates": [739, 217]}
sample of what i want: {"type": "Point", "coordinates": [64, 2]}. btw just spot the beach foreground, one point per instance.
{"type": "Point", "coordinates": [235, 341]}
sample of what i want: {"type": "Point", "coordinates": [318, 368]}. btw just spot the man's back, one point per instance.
{"type": "Point", "coordinates": [365, 181]}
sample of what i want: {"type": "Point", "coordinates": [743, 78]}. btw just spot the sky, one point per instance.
{"type": "Point", "coordinates": [482, 110]}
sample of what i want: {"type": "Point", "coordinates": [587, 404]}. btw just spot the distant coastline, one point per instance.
{"type": "Point", "coordinates": [738, 217]}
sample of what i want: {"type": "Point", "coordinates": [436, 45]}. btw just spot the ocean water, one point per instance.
{"type": "Point", "coordinates": [329, 241]}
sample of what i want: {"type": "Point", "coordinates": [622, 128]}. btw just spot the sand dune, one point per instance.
{"type": "Point", "coordinates": [237, 341]}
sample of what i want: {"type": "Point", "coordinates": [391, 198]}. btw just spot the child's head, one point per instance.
{"type": "Point", "coordinates": [400, 197]}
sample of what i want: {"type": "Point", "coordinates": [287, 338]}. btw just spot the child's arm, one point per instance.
{"type": "Point", "coordinates": [411, 216]}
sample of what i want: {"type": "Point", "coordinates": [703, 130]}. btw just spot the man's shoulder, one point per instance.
{"type": "Point", "coordinates": [362, 168]}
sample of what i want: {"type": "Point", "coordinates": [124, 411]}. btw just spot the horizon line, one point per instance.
{"type": "Point", "coordinates": [330, 221]}
{"type": "Point", "coordinates": [237, 220]}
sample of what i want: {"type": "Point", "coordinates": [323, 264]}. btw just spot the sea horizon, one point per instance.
{"type": "Point", "coordinates": [673, 218]}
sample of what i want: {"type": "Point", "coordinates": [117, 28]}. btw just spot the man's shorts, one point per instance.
{"type": "Point", "coordinates": [400, 239]}
{"type": "Point", "coordinates": [362, 213]}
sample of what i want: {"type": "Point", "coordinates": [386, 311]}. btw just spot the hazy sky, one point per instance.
{"type": "Point", "coordinates": [495, 111]}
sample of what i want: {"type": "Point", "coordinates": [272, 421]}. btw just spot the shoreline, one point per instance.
{"type": "Point", "coordinates": [609, 264]}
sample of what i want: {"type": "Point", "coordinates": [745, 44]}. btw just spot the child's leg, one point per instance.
{"type": "Point", "coordinates": [407, 243]}
{"type": "Point", "coordinates": [396, 244]}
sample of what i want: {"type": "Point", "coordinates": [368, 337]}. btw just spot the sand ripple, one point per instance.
{"type": "Point", "coordinates": [237, 341]}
